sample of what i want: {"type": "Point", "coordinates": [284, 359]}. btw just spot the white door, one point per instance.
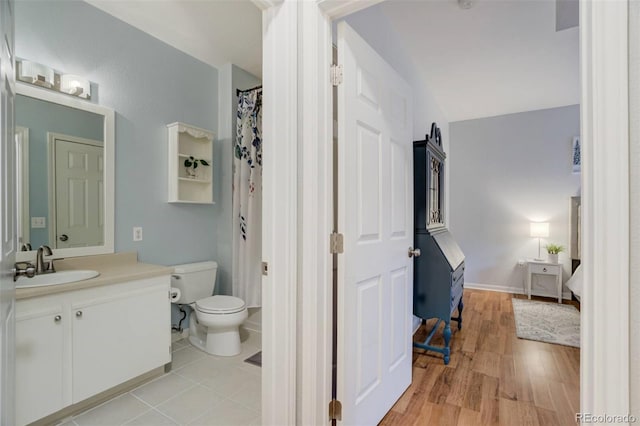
{"type": "Point", "coordinates": [79, 194]}
{"type": "Point", "coordinates": [375, 214]}
{"type": "Point", "coordinates": [8, 226]}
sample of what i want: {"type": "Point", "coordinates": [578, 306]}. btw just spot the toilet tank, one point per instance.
{"type": "Point", "coordinates": [195, 280]}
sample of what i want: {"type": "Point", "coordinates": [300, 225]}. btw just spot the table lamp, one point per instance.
{"type": "Point", "coordinates": [539, 230]}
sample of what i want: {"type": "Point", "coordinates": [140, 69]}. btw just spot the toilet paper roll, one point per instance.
{"type": "Point", "coordinates": [175, 294]}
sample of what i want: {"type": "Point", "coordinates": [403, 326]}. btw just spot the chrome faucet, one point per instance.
{"type": "Point", "coordinates": [40, 266]}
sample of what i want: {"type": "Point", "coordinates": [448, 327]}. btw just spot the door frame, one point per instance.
{"type": "Point", "coordinates": [298, 201]}
{"type": "Point", "coordinates": [604, 116]}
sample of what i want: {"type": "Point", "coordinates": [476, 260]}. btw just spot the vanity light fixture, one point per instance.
{"type": "Point", "coordinates": [75, 85]}
{"type": "Point", "coordinates": [35, 73]}
{"type": "Point", "coordinates": [41, 75]}
{"type": "Point", "coordinates": [539, 230]}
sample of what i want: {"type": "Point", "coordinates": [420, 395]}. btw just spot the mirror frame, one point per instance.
{"type": "Point", "coordinates": [109, 169]}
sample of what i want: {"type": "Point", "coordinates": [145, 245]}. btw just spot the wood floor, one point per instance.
{"type": "Point", "coordinates": [493, 377]}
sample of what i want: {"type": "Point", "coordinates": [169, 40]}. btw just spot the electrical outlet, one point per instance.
{"type": "Point", "coordinates": [137, 233]}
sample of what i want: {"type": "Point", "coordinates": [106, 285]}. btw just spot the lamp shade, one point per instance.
{"type": "Point", "coordinates": [539, 229]}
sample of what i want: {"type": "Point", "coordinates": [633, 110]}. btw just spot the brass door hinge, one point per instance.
{"type": "Point", "coordinates": [336, 75]}
{"type": "Point", "coordinates": [336, 243]}
{"type": "Point", "coordinates": [335, 410]}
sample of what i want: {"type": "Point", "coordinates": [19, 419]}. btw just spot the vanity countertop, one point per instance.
{"type": "Point", "coordinates": [113, 268]}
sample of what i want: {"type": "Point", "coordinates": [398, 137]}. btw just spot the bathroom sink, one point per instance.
{"type": "Point", "coordinates": [62, 277]}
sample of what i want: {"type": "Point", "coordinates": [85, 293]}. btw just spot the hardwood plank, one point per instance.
{"type": "Point", "coordinates": [468, 418]}
{"type": "Point", "coordinates": [541, 393]}
{"type": "Point", "coordinates": [402, 404]}
{"type": "Point", "coordinates": [489, 405]}
{"type": "Point", "coordinates": [518, 413]}
{"type": "Point", "coordinates": [441, 414]}
{"type": "Point", "coordinates": [494, 378]}
{"type": "Point", "coordinates": [547, 417]}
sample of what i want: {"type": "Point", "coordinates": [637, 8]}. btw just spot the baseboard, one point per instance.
{"type": "Point", "coordinates": [515, 290]}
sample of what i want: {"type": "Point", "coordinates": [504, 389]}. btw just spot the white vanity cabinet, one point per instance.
{"type": "Point", "coordinates": [116, 338]}
{"type": "Point", "coordinates": [74, 345]}
{"type": "Point", "coordinates": [40, 367]}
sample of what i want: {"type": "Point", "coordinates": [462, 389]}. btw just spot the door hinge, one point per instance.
{"type": "Point", "coordinates": [336, 75]}
{"type": "Point", "coordinates": [335, 410]}
{"type": "Point", "coordinates": [336, 243]}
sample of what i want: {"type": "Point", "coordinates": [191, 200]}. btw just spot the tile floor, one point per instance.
{"type": "Point", "coordinates": [200, 390]}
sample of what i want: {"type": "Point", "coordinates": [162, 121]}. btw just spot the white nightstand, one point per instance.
{"type": "Point", "coordinates": [542, 267]}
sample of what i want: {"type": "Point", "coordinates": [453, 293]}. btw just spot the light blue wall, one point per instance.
{"type": "Point", "coordinates": [149, 84]}
{"type": "Point", "coordinates": [506, 172]}
{"type": "Point", "coordinates": [41, 117]}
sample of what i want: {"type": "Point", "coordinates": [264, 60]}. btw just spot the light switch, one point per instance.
{"type": "Point", "coordinates": [38, 222]}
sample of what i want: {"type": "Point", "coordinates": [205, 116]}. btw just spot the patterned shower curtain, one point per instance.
{"type": "Point", "coordinates": [247, 200]}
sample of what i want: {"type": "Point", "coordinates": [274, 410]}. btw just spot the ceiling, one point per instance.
{"type": "Point", "coordinates": [213, 31]}
{"type": "Point", "coordinates": [496, 58]}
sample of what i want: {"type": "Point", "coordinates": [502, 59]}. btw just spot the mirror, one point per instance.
{"type": "Point", "coordinates": [65, 155]}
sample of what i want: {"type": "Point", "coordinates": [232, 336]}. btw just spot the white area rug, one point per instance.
{"type": "Point", "coordinates": [547, 322]}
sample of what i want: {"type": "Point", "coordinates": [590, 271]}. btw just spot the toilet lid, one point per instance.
{"type": "Point", "coordinates": [220, 305]}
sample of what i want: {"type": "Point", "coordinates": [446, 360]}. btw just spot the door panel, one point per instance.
{"type": "Point", "coordinates": [368, 166]}
{"type": "Point", "coordinates": [119, 331]}
{"type": "Point", "coordinates": [375, 216]}
{"type": "Point", "coordinates": [79, 182]}
{"type": "Point", "coordinates": [39, 362]}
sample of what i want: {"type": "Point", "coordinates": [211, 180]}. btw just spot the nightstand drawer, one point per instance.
{"type": "Point", "coordinates": [544, 269]}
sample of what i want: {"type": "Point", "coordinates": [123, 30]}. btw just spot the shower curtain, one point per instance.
{"type": "Point", "coordinates": [247, 199]}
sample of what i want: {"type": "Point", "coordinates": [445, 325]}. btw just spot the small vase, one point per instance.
{"type": "Point", "coordinates": [191, 173]}
{"type": "Point", "coordinates": [553, 258]}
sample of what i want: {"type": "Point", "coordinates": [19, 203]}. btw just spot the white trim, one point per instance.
{"type": "Point", "coordinates": [109, 167]}
{"type": "Point", "coordinates": [266, 4]}
{"type": "Point", "coordinates": [604, 353]}
{"type": "Point", "coordinates": [336, 9]}
{"type": "Point", "coordinates": [280, 212]}
{"type": "Point", "coordinates": [22, 185]}
{"type": "Point", "coordinates": [315, 265]}
{"type": "Point", "coordinates": [514, 290]}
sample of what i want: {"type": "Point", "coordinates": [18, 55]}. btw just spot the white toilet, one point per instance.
{"type": "Point", "coordinates": [215, 320]}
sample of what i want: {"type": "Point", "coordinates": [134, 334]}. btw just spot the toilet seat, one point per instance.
{"type": "Point", "coordinates": [220, 305]}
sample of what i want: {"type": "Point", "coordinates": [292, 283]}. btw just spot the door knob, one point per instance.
{"type": "Point", "coordinates": [413, 252]}
{"type": "Point", "coordinates": [64, 237]}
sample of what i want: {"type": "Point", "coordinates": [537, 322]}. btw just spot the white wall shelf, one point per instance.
{"type": "Point", "coordinates": [189, 141]}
